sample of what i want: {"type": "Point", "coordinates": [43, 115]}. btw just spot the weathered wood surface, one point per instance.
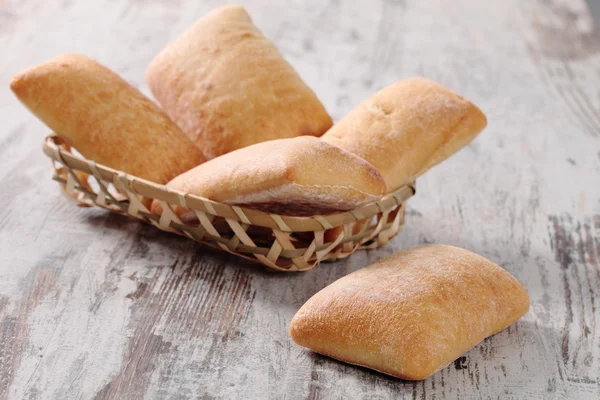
{"type": "Point", "coordinates": [95, 305]}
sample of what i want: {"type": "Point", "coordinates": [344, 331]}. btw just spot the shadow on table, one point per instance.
{"type": "Point", "coordinates": [145, 235]}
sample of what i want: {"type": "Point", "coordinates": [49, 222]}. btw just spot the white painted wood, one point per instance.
{"type": "Point", "coordinates": [93, 304]}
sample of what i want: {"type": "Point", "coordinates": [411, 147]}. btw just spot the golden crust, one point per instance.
{"type": "Point", "coordinates": [298, 176]}
{"type": "Point", "coordinates": [413, 313]}
{"type": "Point", "coordinates": [227, 86]}
{"type": "Point", "coordinates": [105, 118]}
{"type": "Point", "coordinates": [407, 128]}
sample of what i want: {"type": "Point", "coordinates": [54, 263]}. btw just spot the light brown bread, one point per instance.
{"type": "Point", "coordinates": [227, 86]}
{"type": "Point", "coordinates": [298, 176]}
{"type": "Point", "coordinates": [407, 128]}
{"type": "Point", "coordinates": [413, 313]}
{"type": "Point", "coordinates": [105, 118]}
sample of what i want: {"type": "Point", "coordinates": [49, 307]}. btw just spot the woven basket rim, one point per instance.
{"type": "Point", "coordinates": [52, 147]}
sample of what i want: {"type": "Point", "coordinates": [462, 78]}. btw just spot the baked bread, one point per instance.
{"type": "Point", "coordinates": [298, 176]}
{"type": "Point", "coordinates": [407, 128]}
{"type": "Point", "coordinates": [227, 86]}
{"type": "Point", "coordinates": [105, 118]}
{"type": "Point", "coordinates": [413, 313]}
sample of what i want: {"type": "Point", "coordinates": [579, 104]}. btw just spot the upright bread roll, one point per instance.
{"type": "Point", "coordinates": [105, 118]}
{"type": "Point", "coordinates": [227, 86]}
{"type": "Point", "coordinates": [411, 314]}
{"type": "Point", "coordinates": [407, 128]}
{"type": "Point", "coordinates": [298, 176]}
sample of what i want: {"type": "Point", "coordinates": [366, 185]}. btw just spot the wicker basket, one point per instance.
{"type": "Point", "coordinates": [280, 242]}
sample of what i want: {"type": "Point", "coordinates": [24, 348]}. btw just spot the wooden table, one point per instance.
{"type": "Point", "coordinates": [94, 304]}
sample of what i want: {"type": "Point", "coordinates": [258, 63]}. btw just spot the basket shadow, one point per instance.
{"type": "Point", "coordinates": [171, 245]}
{"type": "Point", "coordinates": [158, 249]}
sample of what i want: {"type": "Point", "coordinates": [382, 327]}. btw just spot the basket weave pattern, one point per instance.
{"type": "Point", "coordinates": [283, 243]}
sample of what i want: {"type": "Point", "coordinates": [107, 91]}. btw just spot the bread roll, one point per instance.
{"type": "Point", "coordinates": [413, 313]}
{"type": "Point", "coordinates": [227, 86]}
{"type": "Point", "coordinates": [407, 128]}
{"type": "Point", "coordinates": [106, 119]}
{"type": "Point", "coordinates": [298, 176]}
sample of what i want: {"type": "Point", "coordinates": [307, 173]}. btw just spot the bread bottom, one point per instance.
{"type": "Point", "coordinates": [381, 371]}
{"type": "Point", "coordinates": [401, 376]}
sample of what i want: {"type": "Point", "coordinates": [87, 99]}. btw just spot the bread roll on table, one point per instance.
{"type": "Point", "coordinates": [413, 313]}
{"type": "Point", "coordinates": [227, 86]}
{"type": "Point", "coordinates": [105, 118]}
{"type": "Point", "coordinates": [407, 128]}
{"type": "Point", "coordinates": [298, 176]}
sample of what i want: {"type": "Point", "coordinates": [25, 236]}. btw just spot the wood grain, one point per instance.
{"type": "Point", "coordinates": [94, 305]}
